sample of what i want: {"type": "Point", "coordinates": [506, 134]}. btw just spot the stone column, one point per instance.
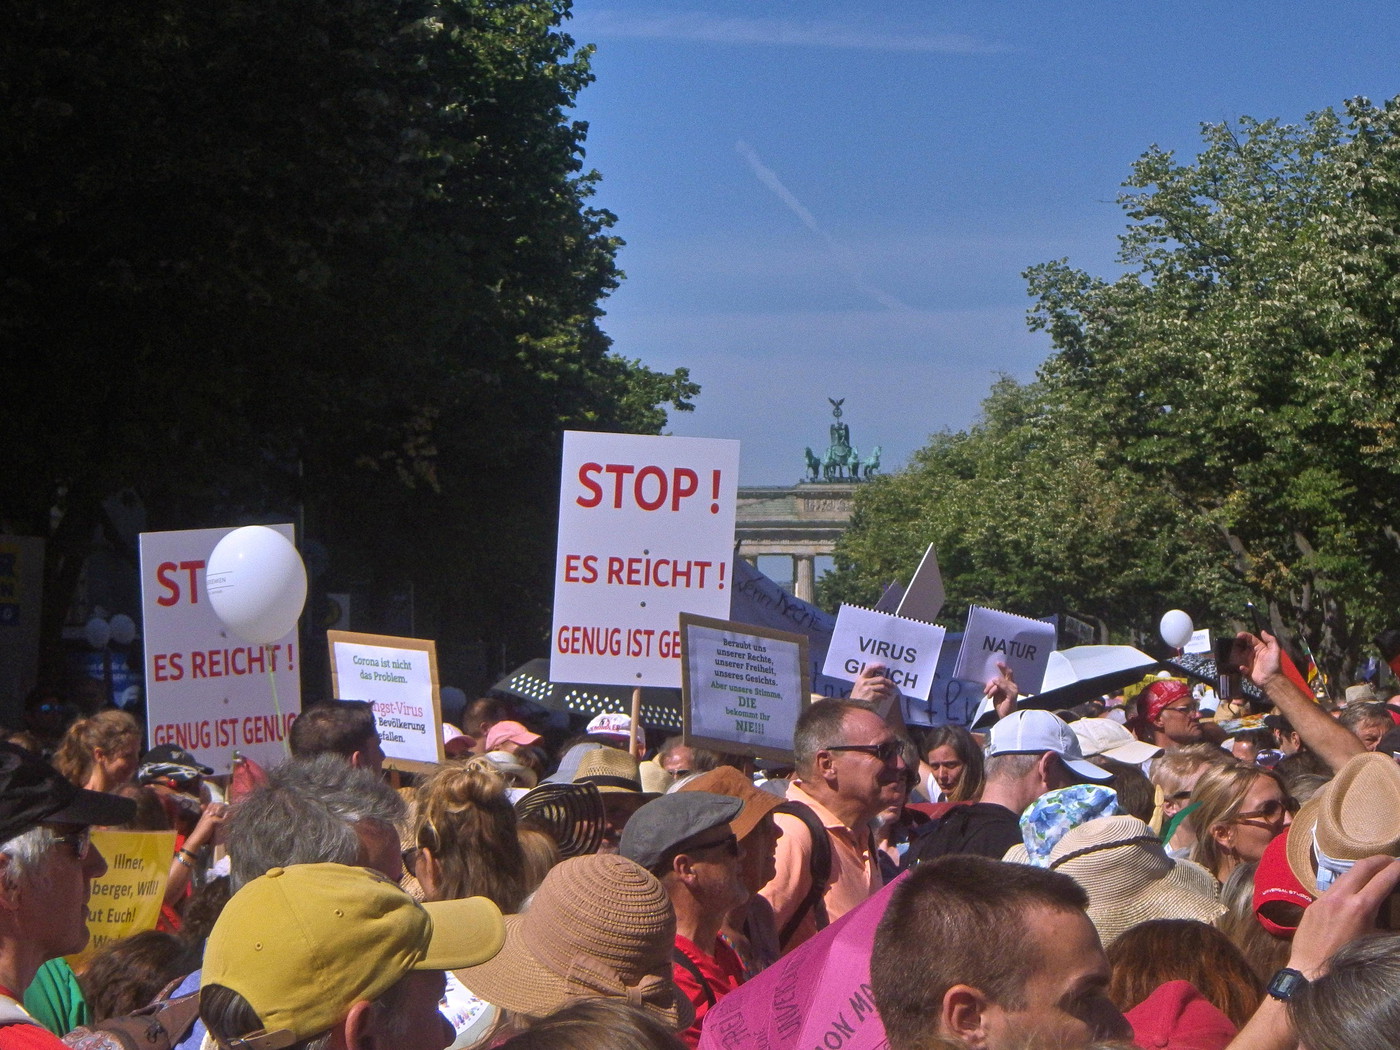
{"type": "Point", "coordinates": [805, 585]}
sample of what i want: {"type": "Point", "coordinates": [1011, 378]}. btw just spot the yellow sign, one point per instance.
{"type": "Point", "coordinates": [127, 899]}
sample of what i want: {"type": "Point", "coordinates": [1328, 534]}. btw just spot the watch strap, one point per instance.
{"type": "Point", "coordinates": [1286, 984]}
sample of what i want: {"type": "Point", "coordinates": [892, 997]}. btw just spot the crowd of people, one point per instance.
{"type": "Point", "coordinates": [1131, 872]}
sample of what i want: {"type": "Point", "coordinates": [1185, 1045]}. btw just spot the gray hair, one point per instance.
{"type": "Point", "coordinates": [1013, 766]}
{"type": "Point", "coordinates": [306, 814]}
{"type": "Point", "coordinates": [819, 726]}
{"type": "Point", "coordinates": [228, 1016]}
{"type": "Point", "coordinates": [28, 853]}
{"type": "Point", "coordinates": [1355, 1005]}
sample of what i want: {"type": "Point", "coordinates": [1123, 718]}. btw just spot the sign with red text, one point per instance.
{"type": "Point", "coordinates": [646, 532]}
{"type": "Point", "coordinates": [207, 690]}
{"type": "Point", "coordinates": [906, 649]}
{"type": "Point", "coordinates": [399, 678]}
{"type": "Point", "coordinates": [992, 637]}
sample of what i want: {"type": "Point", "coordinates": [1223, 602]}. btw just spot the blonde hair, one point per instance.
{"type": "Point", "coordinates": [465, 818]}
{"type": "Point", "coordinates": [541, 853]}
{"type": "Point", "coordinates": [1179, 768]}
{"type": "Point", "coordinates": [109, 730]}
{"type": "Point", "coordinates": [1217, 797]}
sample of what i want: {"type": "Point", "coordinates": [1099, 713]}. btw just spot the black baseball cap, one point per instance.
{"type": "Point", "coordinates": [171, 762]}
{"type": "Point", "coordinates": [32, 792]}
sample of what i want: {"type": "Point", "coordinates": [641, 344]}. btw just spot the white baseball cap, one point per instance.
{"type": "Point", "coordinates": [1103, 736]}
{"type": "Point", "coordinates": [611, 723]}
{"type": "Point", "coordinates": [1035, 732]}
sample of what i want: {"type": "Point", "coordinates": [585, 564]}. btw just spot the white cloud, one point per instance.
{"type": "Point", "coordinates": [776, 32]}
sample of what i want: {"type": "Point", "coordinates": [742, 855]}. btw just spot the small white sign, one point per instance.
{"type": "Point", "coordinates": [646, 532]}
{"type": "Point", "coordinates": [398, 676]}
{"type": "Point", "coordinates": [206, 690]}
{"type": "Point", "coordinates": [908, 649]}
{"type": "Point", "coordinates": [743, 687]}
{"type": "Point", "coordinates": [993, 637]}
{"type": "Point", "coordinates": [1199, 642]}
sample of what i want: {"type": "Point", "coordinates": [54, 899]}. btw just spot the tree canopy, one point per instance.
{"type": "Point", "coordinates": [329, 257]}
{"type": "Point", "coordinates": [1217, 424]}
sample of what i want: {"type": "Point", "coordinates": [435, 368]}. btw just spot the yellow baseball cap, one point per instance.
{"type": "Point", "coordinates": [303, 944]}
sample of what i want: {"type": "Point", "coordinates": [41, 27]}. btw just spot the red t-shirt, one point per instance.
{"type": "Point", "coordinates": [723, 972]}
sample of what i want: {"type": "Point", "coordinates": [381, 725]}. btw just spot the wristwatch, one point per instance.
{"type": "Point", "coordinates": [1286, 984]}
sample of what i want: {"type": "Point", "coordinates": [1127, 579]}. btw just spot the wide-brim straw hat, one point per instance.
{"type": "Point", "coordinates": [610, 771]}
{"type": "Point", "coordinates": [1125, 870]}
{"type": "Point", "coordinates": [599, 927]}
{"type": "Point", "coordinates": [1354, 816]}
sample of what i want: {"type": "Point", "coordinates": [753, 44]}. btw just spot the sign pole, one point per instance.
{"type": "Point", "coordinates": [637, 740]}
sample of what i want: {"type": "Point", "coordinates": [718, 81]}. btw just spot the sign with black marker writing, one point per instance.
{"type": "Point", "coordinates": [742, 687]}
{"type": "Point", "coordinates": [993, 637]}
{"type": "Point", "coordinates": [907, 649]}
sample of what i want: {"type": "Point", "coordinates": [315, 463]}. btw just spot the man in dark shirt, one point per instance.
{"type": "Point", "coordinates": [1031, 752]}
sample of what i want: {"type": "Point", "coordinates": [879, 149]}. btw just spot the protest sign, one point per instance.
{"type": "Point", "coordinates": [399, 677]}
{"type": "Point", "coordinates": [908, 649]}
{"type": "Point", "coordinates": [646, 532]}
{"type": "Point", "coordinates": [126, 899]}
{"type": "Point", "coordinates": [206, 690]}
{"type": "Point", "coordinates": [758, 601]}
{"type": "Point", "coordinates": [951, 701]}
{"type": "Point", "coordinates": [743, 687]}
{"type": "Point", "coordinates": [923, 599]}
{"type": "Point", "coordinates": [1199, 642]}
{"type": "Point", "coordinates": [993, 637]}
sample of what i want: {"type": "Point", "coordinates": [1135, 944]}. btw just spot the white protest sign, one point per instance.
{"type": "Point", "coordinates": [1199, 642]}
{"type": "Point", "coordinates": [1021, 643]}
{"type": "Point", "coordinates": [207, 690]}
{"type": "Point", "coordinates": [907, 648]}
{"type": "Point", "coordinates": [923, 600]}
{"type": "Point", "coordinates": [743, 686]}
{"type": "Point", "coordinates": [398, 676]}
{"type": "Point", "coordinates": [646, 532]}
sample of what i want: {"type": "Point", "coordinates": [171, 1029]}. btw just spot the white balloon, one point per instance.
{"type": "Point", "coordinates": [97, 632]}
{"type": "Point", "coordinates": [256, 583]}
{"type": "Point", "coordinates": [123, 629]}
{"type": "Point", "coordinates": [1176, 628]}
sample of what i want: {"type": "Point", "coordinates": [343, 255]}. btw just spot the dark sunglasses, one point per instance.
{"type": "Point", "coordinates": [886, 752]}
{"type": "Point", "coordinates": [1270, 810]}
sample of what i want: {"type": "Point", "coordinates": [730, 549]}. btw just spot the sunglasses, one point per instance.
{"type": "Point", "coordinates": [886, 752]}
{"type": "Point", "coordinates": [1271, 810]}
{"type": "Point", "coordinates": [1189, 709]}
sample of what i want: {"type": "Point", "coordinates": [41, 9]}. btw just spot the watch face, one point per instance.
{"type": "Point", "coordinates": [1286, 984]}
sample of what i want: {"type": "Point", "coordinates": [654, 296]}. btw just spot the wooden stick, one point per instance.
{"type": "Point", "coordinates": [638, 741]}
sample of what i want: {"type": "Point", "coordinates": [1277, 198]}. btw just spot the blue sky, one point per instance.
{"type": "Point", "coordinates": [838, 199]}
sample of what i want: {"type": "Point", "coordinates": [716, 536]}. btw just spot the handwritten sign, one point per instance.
{"type": "Point", "coordinates": [759, 602]}
{"type": "Point", "coordinates": [743, 686]}
{"type": "Point", "coordinates": [128, 897]}
{"type": "Point", "coordinates": [1021, 643]}
{"type": "Point", "coordinates": [908, 649]}
{"type": "Point", "coordinates": [206, 690]}
{"type": "Point", "coordinates": [646, 532]}
{"type": "Point", "coordinates": [399, 677]}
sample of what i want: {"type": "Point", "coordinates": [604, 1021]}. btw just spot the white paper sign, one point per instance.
{"type": "Point", "coordinates": [1199, 642]}
{"type": "Point", "coordinates": [1021, 643]}
{"type": "Point", "coordinates": [646, 532]}
{"type": "Point", "coordinates": [399, 677]}
{"type": "Point", "coordinates": [924, 598]}
{"type": "Point", "coordinates": [743, 687]}
{"type": "Point", "coordinates": [907, 648]}
{"type": "Point", "coordinates": [207, 690]}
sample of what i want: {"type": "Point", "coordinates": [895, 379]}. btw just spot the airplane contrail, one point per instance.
{"type": "Point", "coordinates": [769, 178]}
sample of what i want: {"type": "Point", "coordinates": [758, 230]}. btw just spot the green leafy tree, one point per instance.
{"type": "Point", "coordinates": [329, 256]}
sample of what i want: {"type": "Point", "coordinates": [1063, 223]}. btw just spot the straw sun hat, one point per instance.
{"type": "Point", "coordinates": [599, 927]}
{"type": "Point", "coordinates": [1354, 816]}
{"type": "Point", "coordinates": [1125, 870]}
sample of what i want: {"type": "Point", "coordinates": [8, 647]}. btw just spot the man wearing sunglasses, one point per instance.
{"type": "Point", "coordinates": [850, 765]}
{"type": "Point", "coordinates": [47, 864]}
{"type": "Point", "coordinates": [686, 841]}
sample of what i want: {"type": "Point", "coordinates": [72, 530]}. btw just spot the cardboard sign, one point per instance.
{"type": "Point", "coordinates": [399, 677]}
{"type": "Point", "coordinates": [646, 532]}
{"type": "Point", "coordinates": [743, 686]}
{"type": "Point", "coordinates": [923, 600]}
{"type": "Point", "coordinates": [907, 648]}
{"type": "Point", "coordinates": [207, 690]}
{"type": "Point", "coordinates": [1021, 643]}
{"type": "Point", "coordinates": [128, 897]}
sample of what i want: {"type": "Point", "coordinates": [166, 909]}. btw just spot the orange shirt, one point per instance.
{"type": "Point", "coordinates": [855, 871]}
